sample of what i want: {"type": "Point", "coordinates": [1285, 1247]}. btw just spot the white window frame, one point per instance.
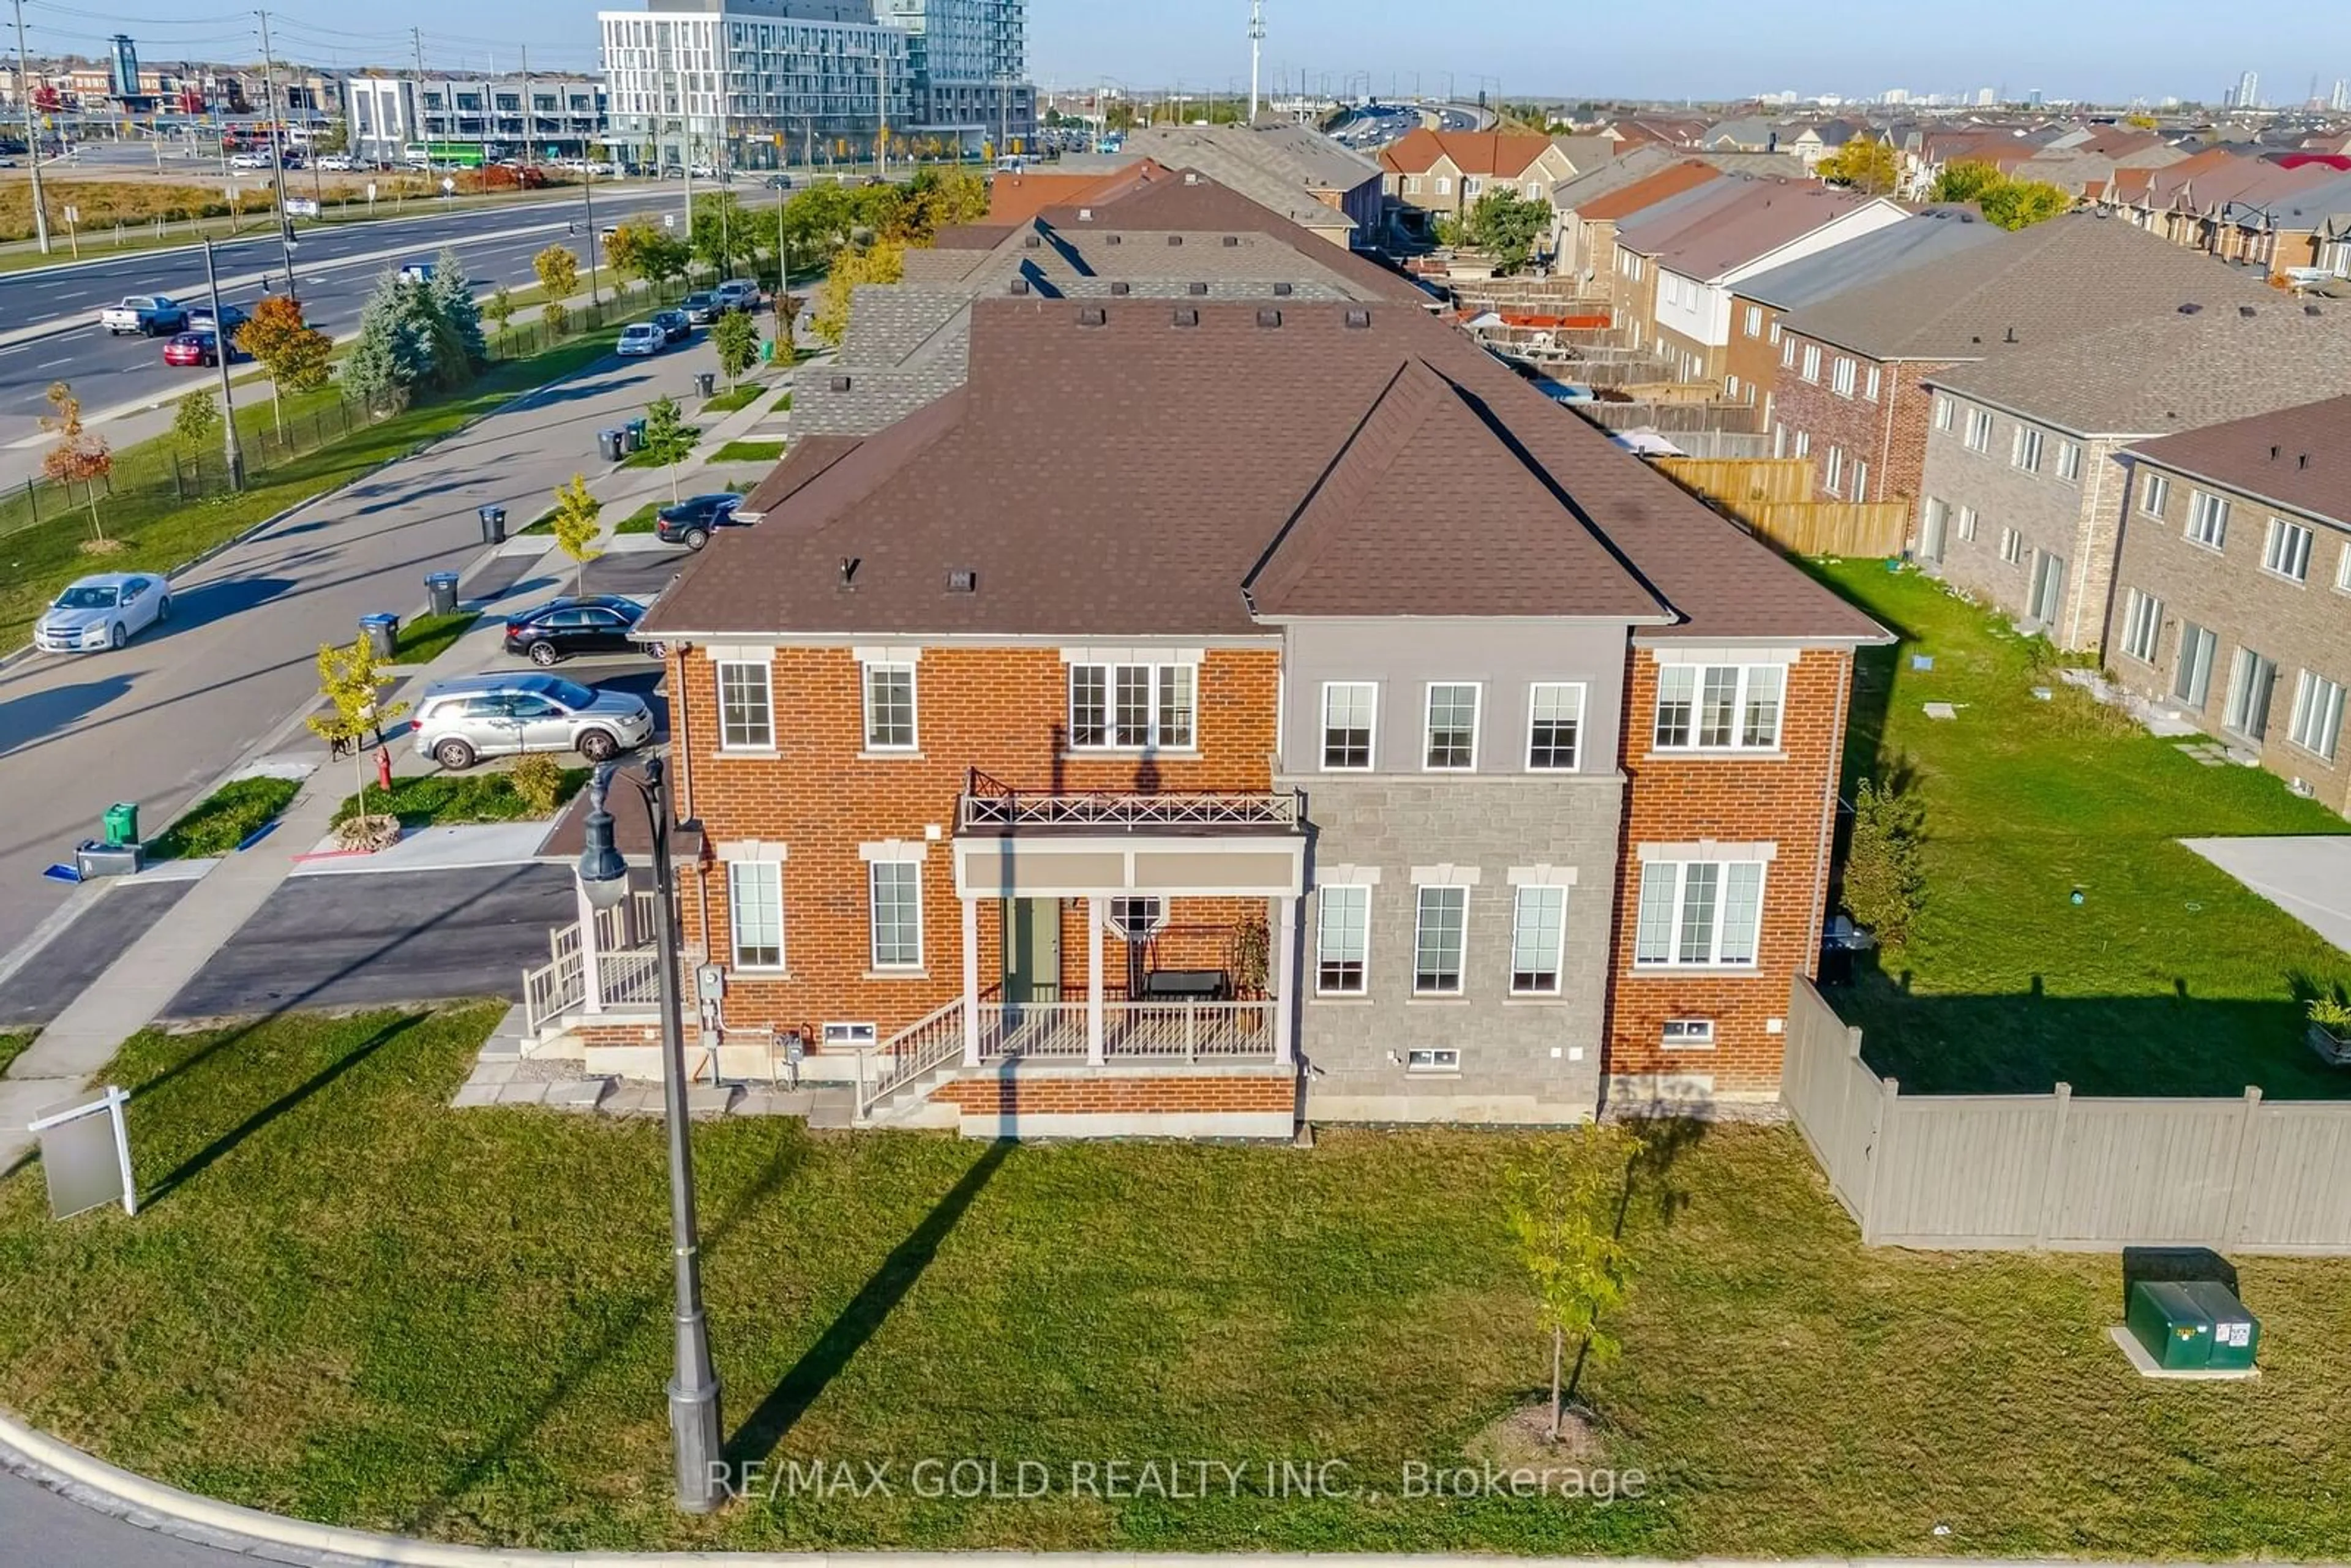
{"type": "Point", "coordinates": [1787, 353]}
{"type": "Point", "coordinates": [2252, 675]}
{"type": "Point", "coordinates": [2069, 462]}
{"type": "Point", "coordinates": [1457, 895]}
{"type": "Point", "coordinates": [1541, 894]}
{"type": "Point", "coordinates": [1967, 525]}
{"type": "Point", "coordinates": [1979, 433]}
{"type": "Point", "coordinates": [2142, 626]}
{"type": "Point", "coordinates": [1873, 383]}
{"type": "Point", "coordinates": [866, 673]}
{"type": "Point", "coordinates": [1535, 693]}
{"type": "Point", "coordinates": [2208, 521]}
{"type": "Point", "coordinates": [1775, 332]}
{"type": "Point", "coordinates": [736, 731]}
{"type": "Point", "coordinates": [1860, 480]}
{"type": "Point", "coordinates": [740, 876]}
{"type": "Point", "coordinates": [1350, 893]}
{"type": "Point", "coordinates": [1745, 703]}
{"type": "Point", "coordinates": [912, 871]}
{"type": "Point", "coordinates": [1841, 378]}
{"type": "Point", "coordinates": [1371, 729]}
{"type": "Point", "coordinates": [2012, 547]}
{"type": "Point", "coordinates": [1428, 725]}
{"type": "Point", "coordinates": [1154, 697]}
{"type": "Point", "coordinates": [2342, 569]}
{"type": "Point", "coordinates": [1755, 320]}
{"type": "Point", "coordinates": [1811, 371]}
{"type": "Point", "coordinates": [1686, 1034]}
{"type": "Point", "coordinates": [2154, 496]}
{"type": "Point", "coordinates": [1436, 1059]}
{"type": "Point", "coordinates": [2286, 551]}
{"type": "Point", "coordinates": [2024, 452]}
{"type": "Point", "coordinates": [2317, 723]}
{"type": "Point", "coordinates": [1804, 444]}
{"type": "Point", "coordinates": [1669, 897]}
{"type": "Point", "coordinates": [1943, 411]}
{"type": "Point", "coordinates": [1832, 472]}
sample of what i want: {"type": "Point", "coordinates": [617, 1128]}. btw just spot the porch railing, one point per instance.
{"type": "Point", "coordinates": [553, 989]}
{"type": "Point", "coordinates": [1172, 1032]}
{"type": "Point", "coordinates": [912, 1051]}
{"type": "Point", "coordinates": [626, 963]}
{"type": "Point", "coordinates": [989, 805]}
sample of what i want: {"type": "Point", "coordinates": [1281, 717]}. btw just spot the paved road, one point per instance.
{"type": "Point", "coordinates": [160, 720]}
{"type": "Point", "coordinates": [39, 1529]}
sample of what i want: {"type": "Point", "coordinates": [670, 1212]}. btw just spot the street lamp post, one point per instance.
{"type": "Point", "coordinates": [228, 399]}
{"type": "Point", "coordinates": [694, 1421]}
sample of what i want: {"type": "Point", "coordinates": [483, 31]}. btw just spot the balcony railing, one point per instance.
{"type": "Point", "coordinates": [990, 806]}
{"type": "Point", "coordinates": [1169, 1031]}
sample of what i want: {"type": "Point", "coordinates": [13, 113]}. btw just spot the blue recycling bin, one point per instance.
{"type": "Point", "coordinates": [382, 630]}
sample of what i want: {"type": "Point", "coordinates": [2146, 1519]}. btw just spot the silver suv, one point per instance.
{"type": "Point", "coordinates": [462, 721]}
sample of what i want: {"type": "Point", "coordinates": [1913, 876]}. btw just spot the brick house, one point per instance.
{"type": "Point", "coordinates": [2233, 591]}
{"type": "Point", "coordinates": [1321, 723]}
{"type": "Point", "coordinates": [1429, 174]}
{"type": "Point", "coordinates": [2024, 501]}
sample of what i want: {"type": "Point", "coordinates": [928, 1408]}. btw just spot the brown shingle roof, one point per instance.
{"type": "Point", "coordinates": [1641, 194]}
{"type": "Point", "coordinates": [2298, 458]}
{"type": "Point", "coordinates": [1503, 154]}
{"type": "Point", "coordinates": [1128, 477]}
{"type": "Point", "coordinates": [1016, 198]}
{"type": "Point", "coordinates": [1751, 220]}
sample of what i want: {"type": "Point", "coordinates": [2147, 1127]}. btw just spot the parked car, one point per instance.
{"type": "Point", "coordinates": [676, 328]}
{"type": "Point", "coordinates": [674, 172]}
{"type": "Point", "coordinates": [689, 522]}
{"type": "Point", "coordinates": [561, 628]}
{"type": "Point", "coordinates": [151, 315]}
{"type": "Point", "coordinates": [248, 160]}
{"type": "Point", "coordinates": [780, 181]}
{"type": "Point", "coordinates": [102, 611]}
{"type": "Point", "coordinates": [336, 162]}
{"type": "Point", "coordinates": [200, 319]}
{"type": "Point", "coordinates": [196, 349]}
{"type": "Point", "coordinates": [460, 722]}
{"type": "Point", "coordinates": [737, 294]}
{"type": "Point", "coordinates": [701, 308]}
{"type": "Point", "coordinates": [640, 339]}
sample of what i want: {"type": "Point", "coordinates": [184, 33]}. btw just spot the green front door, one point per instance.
{"type": "Point", "coordinates": [1032, 950]}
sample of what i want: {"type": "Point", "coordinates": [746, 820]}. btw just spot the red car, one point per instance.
{"type": "Point", "coordinates": [195, 348]}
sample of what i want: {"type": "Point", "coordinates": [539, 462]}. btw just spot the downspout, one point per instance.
{"type": "Point", "coordinates": [1811, 957]}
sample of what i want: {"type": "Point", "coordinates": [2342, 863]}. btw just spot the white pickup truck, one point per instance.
{"type": "Point", "coordinates": [148, 315]}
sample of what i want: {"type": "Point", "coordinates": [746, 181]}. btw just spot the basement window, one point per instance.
{"type": "Point", "coordinates": [1689, 1034]}
{"type": "Point", "coordinates": [849, 1036]}
{"type": "Point", "coordinates": [1433, 1058]}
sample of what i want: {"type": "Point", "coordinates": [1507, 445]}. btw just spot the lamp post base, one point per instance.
{"type": "Point", "coordinates": [694, 1427]}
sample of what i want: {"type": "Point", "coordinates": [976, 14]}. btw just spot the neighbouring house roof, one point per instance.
{"type": "Point", "coordinates": [2175, 371]}
{"type": "Point", "coordinates": [1749, 135]}
{"type": "Point", "coordinates": [2059, 279]}
{"type": "Point", "coordinates": [1585, 153]}
{"type": "Point", "coordinates": [2298, 457]}
{"type": "Point", "coordinates": [1287, 170]}
{"type": "Point", "coordinates": [1924, 236]}
{"type": "Point", "coordinates": [1016, 198]}
{"type": "Point", "coordinates": [1750, 220]}
{"type": "Point", "coordinates": [1348, 461]}
{"type": "Point", "coordinates": [1500, 155]}
{"type": "Point", "coordinates": [1632, 165]}
{"type": "Point", "coordinates": [1643, 193]}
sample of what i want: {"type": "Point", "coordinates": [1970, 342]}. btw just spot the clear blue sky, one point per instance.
{"type": "Point", "coordinates": [2109, 49]}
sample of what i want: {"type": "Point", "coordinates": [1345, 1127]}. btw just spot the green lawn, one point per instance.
{"type": "Point", "coordinates": [2169, 978]}
{"type": "Point", "coordinates": [220, 821]}
{"type": "Point", "coordinates": [639, 521]}
{"type": "Point", "coordinates": [342, 1301]}
{"type": "Point", "coordinates": [427, 637]}
{"type": "Point", "coordinates": [734, 398]}
{"type": "Point", "coordinates": [441, 799]}
{"type": "Point", "coordinates": [646, 458]}
{"type": "Point", "coordinates": [784, 403]}
{"type": "Point", "coordinates": [748, 452]}
{"type": "Point", "coordinates": [11, 1046]}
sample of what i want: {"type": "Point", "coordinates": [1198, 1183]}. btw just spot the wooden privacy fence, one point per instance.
{"type": "Point", "coordinates": [1772, 496]}
{"type": "Point", "coordinates": [1973, 1171]}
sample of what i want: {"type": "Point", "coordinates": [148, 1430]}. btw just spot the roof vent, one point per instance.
{"type": "Point", "coordinates": [1191, 177]}
{"type": "Point", "coordinates": [1232, 242]}
{"type": "Point", "coordinates": [2273, 454]}
{"type": "Point", "coordinates": [2311, 310]}
{"type": "Point", "coordinates": [966, 582]}
{"type": "Point", "coordinates": [1034, 242]}
{"type": "Point", "coordinates": [1196, 288]}
{"type": "Point", "coordinates": [1174, 239]}
{"type": "Point", "coordinates": [1283, 290]}
{"type": "Point", "coordinates": [1268, 317]}
{"type": "Point", "coordinates": [1113, 239]}
{"type": "Point", "coordinates": [1020, 286]}
{"type": "Point", "coordinates": [1122, 290]}
{"type": "Point", "coordinates": [2191, 308]}
{"type": "Point", "coordinates": [1358, 319]}
{"type": "Point", "coordinates": [840, 384]}
{"type": "Point", "coordinates": [2012, 336]}
{"type": "Point", "coordinates": [849, 565]}
{"type": "Point", "coordinates": [2302, 461]}
{"type": "Point", "coordinates": [1085, 214]}
{"type": "Point", "coordinates": [1184, 316]}
{"type": "Point", "coordinates": [2246, 312]}
{"type": "Point", "coordinates": [1093, 315]}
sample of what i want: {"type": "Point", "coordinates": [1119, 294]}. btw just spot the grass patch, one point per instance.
{"type": "Point", "coordinates": [748, 452]}
{"type": "Point", "coordinates": [542, 524]}
{"type": "Point", "coordinates": [734, 398]}
{"type": "Point", "coordinates": [784, 403]}
{"type": "Point", "coordinates": [445, 799]}
{"type": "Point", "coordinates": [345, 1301]}
{"type": "Point", "coordinates": [11, 1046]}
{"type": "Point", "coordinates": [2169, 978]}
{"type": "Point", "coordinates": [639, 521]}
{"type": "Point", "coordinates": [220, 821]}
{"type": "Point", "coordinates": [427, 637]}
{"type": "Point", "coordinates": [646, 459]}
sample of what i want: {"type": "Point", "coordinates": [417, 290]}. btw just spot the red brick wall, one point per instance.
{"type": "Point", "coordinates": [1788, 801]}
{"type": "Point", "coordinates": [1115, 1096]}
{"type": "Point", "coordinates": [1754, 360]}
{"type": "Point", "coordinates": [1889, 434]}
{"type": "Point", "coordinates": [1001, 710]}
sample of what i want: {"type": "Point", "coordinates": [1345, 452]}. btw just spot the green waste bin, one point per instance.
{"type": "Point", "coordinates": [121, 825]}
{"type": "Point", "coordinates": [767, 351]}
{"type": "Point", "coordinates": [2236, 1333]}
{"type": "Point", "coordinates": [635, 431]}
{"type": "Point", "coordinates": [2172, 1325]}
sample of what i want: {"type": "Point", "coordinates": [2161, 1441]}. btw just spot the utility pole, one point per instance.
{"type": "Point", "coordinates": [228, 399]}
{"type": "Point", "coordinates": [529, 124]}
{"type": "Point", "coordinates": [881, 107]}
{"type": "Point", "coordinates": [277, 161]}
{"type": "Point", "coordinates": [32, 134]}
{"type": "Point", "coordinates": [424, 133]}
{"type": "Point", "coordinates": [1256, 46]}
{"type": "Point", "coordinates": [588, 199]}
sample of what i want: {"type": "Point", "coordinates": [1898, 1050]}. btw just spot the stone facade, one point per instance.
{"type": "Point", "coordinates": [1888, 433]}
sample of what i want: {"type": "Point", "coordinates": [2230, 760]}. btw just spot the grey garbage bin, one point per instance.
{"type": "Point", "coordinates": [381, 632]}
{"type": "Point", "coordinates": [493, 525]}
{"type": "Point", "coordinates": [442, 588]}
{"type": "Point", "coordinates": [613, 444]}
{"type": "Point", "coordinates": [704, 383]}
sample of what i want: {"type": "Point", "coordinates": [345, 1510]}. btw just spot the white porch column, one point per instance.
{"type": "Point", "coordinates": [970, 982]}
{"type": "Point", "coordinates": [1095, 912]}
{"type": "Point", "coordinates": [591, 976]}
{"type": "Point", "coordinates": [1285, 972]}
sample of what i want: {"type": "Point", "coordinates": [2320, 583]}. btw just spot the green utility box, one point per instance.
{"type": "Point", "coordinates": [2192, 1326]}
{"type": "Point", "coordinates": [121, 825]}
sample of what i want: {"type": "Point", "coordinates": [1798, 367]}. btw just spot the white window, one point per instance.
{"type": "Point", "coordinates": [2250, 676]}
{"type": "Point", "coordinates": [1832, 472]}
{"type": "Point", "coordinates": [1342, 940]}
{"type": "Point", "coordinates": [1444, 184]}
{"type": "Point", "coordinates": [2317, 713]}
{"type": "Point", "coordinates": [1713, 707]}
{"type": "Point", "coordinates": [1689, 1034]}
{"type": "Point", "coordinates": [1433, 1058]}
{"type": "Point", "coordinates": [1775, 332]}
{"type": "Point", "coordinates": [1471, 184]}
{"type": "Point", "coordinates": [2069, 460]}
{"type": "Point", "coordinates": [2208, 519]}
{"type": "Point", "coordinates": [1538, 941]}
{"type": "Point", "coordinates": [2155, 494]}
{"type": "Point", "coordinates": [1967, 524]}
{"type": "Point", "coordinates": [2142, 625]}
{"type": "Point", "coordinates": [1860, 480]}
{"type": "Point", "coordinates": [1788, 354]}
{"type": "Point", "coordinates": [1131, 707]}
{"type": "Point", "coordinates": [1439, 940]}
{"type": "Point", "coordinates": [1452, 728]}
{"type": "Point", "coordinates": [2012, 547]}
{"type": "Point", "coordinates": [1841, 379]}
{"type": "Point", "coordinates": [2287, 553]}
{"type": "Point", "coordinates": [1804, 444]}
{"type": "Point", "coordinates": [1699, 912]}
{"type": "Point", "coordinates": [1554, 727]}
{"type": "Point", "coordinates": [746, 707]}
{"type": "Point", "coordinates": [1349, 713]}
{"type": "Point", "coordinates": [1755, 320]}
{"type": "Point", "coordinates": [2342, 569]}
{"type": "Point", "coordinates": [1942, 411]}
{"type": "Point", "coordinates": [1811, 361]}
{"type": "Point", "coordinates": [897, 908]}
{"type": "Point", "coordinates": [1979, 436]}
{"type": "Point", "coordinates": [1534, 190]}
{"type": "Point", "coordinates": [1412, 184]}
{"type": "Point", "coordinates": [1780, 449]}
{"type": "Point", "coordinates": [1871, 383]}
{"type": "Point", "coordinates": [755, 906]}
{"type": "Point", "coordinates": [889, 708]}
{"type": "Point", "coordinates": [2026, 452]}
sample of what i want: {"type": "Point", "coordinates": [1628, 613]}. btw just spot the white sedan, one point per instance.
{"type": "Point", "coordinates": [102, 611]}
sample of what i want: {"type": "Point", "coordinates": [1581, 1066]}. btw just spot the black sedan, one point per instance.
{"type": "Point", "coordinates": [690, 521]}
{"type": "Point", "coordinates": [675, 325]}
{"type": "Point", "coordinates": [598, 624]}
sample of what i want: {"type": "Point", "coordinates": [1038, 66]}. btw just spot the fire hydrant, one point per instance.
{"type": "Point", "coordinates": [383, 768]}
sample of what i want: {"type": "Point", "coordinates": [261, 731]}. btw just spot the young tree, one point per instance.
{"type": "Point", "coordinates": [1505, 225]}
{"type": "Point", "coordinates": [444, 362]}
{"type": "Point", "coordinates": [452, 293]}
{"type": "Point", "coordinates": [352, 684]}
{"type": "Point", "coordinates": [883, 261]}
{"type": "Point", "coordinates": [1565, 1213]}
{"type": "Point", "coordinates": [197, 424]}
{"type": "Point", "coordinates": [2021, 204]}
{"type": "Point", "coordinates": [558, 273]}
{"type": "Point", "coordinates": [939, 199]}
{"type": "Point", "coordinates": [293, 354]}
{"type": "Point", "coordinates": [498, 309]}
{"type": "Point", "coordinates": [79, 457]}
{"type": "Point", "coordinates": [787, 315]}
{"type": "Point", "coordinates": [389, 358]}
{"type": "Point", "coordinates": [1965, 181]}
{"type": "Point", "coordinates": [721, 233]}
{"type": "Point", "coordinates": [642, 249]}
{"type": "Point", "coordinates": [1864, 163]}
{"type": "Point", "coordinates": [736, 337]}
{"type": "Point", "coordinates": [1884, 866]}
{"type": "Point", "coordinates": [668, 438]}
{"type": "Point", "coordinates": [575, 522]}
